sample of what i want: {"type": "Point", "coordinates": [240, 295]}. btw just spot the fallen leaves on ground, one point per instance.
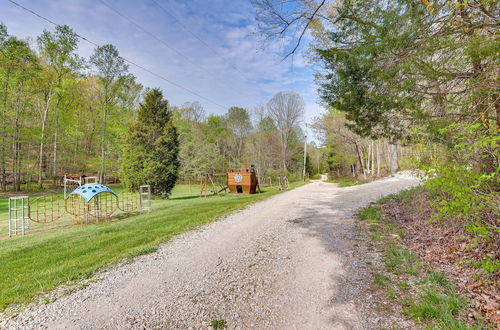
{"type": "Point", "coordinates": [447, 246]}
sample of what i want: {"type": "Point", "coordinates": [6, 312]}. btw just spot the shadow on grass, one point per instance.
{"type": "Point", "coordinates": [184, 197]}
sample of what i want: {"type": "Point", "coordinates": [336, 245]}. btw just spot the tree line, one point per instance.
{"type": "Point", "coordinates": [64, 114]}
{"type": "Point", "coordinates": [418, 74]}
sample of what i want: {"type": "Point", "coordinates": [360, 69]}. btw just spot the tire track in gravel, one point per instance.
{"type": "Point", "coordinates": [293, 261]}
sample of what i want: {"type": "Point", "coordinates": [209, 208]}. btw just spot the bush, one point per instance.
{"type": "Point", "coordinates": [465, 182]}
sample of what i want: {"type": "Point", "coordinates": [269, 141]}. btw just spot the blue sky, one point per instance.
{"type": "Point", "coordinates": [227, 26]}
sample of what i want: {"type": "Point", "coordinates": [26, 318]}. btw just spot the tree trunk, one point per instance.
{"type": "Point", "coordinates": [56, 132]}
{"type": "Point", "coordinates": [373, 158]}
{"type": "Point", "coordinates": [42, 138]}
{"type": "Point", "coordinates": [16, 147]}
{"type": "Point", "coordinates": [393, 155]}
{"type": "Point", "coordinates": [283, 154]}
{"type": "Point", "coordinates": [103, 138]}
{"type": "Point", "coordinates": [368, 156]}
{"type": "Point", "coordinates": [378, 158]}
{"type": "Point", "coordinates": [360, 158]}
{"type": "Point", "coordinates": [3, 182]}
{"type": "Point", "coordinates": [54, 161]}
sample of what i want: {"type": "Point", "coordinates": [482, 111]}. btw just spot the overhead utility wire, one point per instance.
{"type": "Point", "coordinates": [195, 36]}
{"type": "Point", "coordinates": [125, 59]}
{"type": "Point", "coordinates": [181, 55]}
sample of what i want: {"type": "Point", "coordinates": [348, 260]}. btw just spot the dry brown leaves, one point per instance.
{"type": "Point", "coordinates": [446, 246]}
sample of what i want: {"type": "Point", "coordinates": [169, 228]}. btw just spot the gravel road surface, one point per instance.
{"type": "Point", "coordinates": [292, 261]}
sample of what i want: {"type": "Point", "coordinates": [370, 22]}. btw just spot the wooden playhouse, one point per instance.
{"type": "Point", "coordinates": [242, 180]}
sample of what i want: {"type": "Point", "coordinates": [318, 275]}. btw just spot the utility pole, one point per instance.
{"type": "Point", "coordinates": [305, 154]}
{"type": "Point", "coordinates": [321, 155]}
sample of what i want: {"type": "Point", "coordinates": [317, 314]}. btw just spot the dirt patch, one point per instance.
{"type": "Point", "coordinates": [448, 247]}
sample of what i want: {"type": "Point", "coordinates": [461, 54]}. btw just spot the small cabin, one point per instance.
{"type": "Point", "coordinates": [242, 180]}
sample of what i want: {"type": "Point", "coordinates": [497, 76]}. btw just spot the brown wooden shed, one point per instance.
{"type": "Point", "coordinates": [242, 180]}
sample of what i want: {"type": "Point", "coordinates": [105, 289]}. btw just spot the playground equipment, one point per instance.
{"type": "Point", "coordinates": [242, 180]}
{"type": "Point", "coordinates": [145, 198]}
{"type": "Point", "coordinates": [213, 184]}
{"type": "Point", "coordinates": [75, 180]}
{"type": "Point", "coordinates": [88, 202]}
{"type": "Point", "coordinates": [283, 182]}
{"type": "Point", "coordinates": [128, 201]}
{"type": "Point", "coordinates": [18, 215]}
{"type": "Point", "coordinates": [91, 201]}
{"type": "Point", "coordinates": [46, 209]}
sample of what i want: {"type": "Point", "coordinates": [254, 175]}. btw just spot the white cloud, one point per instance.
{"type": "Point", "coordinates": [226, 25]}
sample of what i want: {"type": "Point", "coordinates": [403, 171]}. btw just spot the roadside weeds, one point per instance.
{"type": "Point", "coordinates": [411, 286]}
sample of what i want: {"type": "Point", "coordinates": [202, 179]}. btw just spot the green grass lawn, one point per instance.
{"type": "Point", "coordinates": [49, 257]}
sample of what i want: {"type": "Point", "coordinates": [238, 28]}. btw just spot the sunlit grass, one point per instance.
{"type": "Point", "coordinates": [41, 261]}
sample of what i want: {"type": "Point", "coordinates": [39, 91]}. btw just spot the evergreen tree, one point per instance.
{"type": "Point", "coordinates": [152, 147]}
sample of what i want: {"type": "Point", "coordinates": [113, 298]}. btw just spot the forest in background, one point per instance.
{"type": "Point", "coordinates": [63, 114]}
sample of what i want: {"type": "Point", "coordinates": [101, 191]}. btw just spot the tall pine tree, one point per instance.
{"type": "Point", "coordinates": [151, 148]}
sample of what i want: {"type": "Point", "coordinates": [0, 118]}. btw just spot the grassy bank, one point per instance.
{"type": "Point", "coordinates": [40, 262]}
{"type": "Point", "coordinates": [409, 284]}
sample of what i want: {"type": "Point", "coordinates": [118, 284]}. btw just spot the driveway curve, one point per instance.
{"type": "Point", "coordinates": [292, 261]}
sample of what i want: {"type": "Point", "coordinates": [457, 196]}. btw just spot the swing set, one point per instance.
{"type": "Point", "coordinates": [213, 184]}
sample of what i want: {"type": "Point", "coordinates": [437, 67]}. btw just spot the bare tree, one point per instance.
{"type": "Point", "coordinates": [194, 112]}
{"type": "Point", "coordinates": [238, 121]}
{"type": "Point", "coordinates": [289, 19]}
{"type": "Point", "coordinates": [285, 109]}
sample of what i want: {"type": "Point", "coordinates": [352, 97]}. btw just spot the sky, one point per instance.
{"type": "Point", "coordinates": [211, 47]}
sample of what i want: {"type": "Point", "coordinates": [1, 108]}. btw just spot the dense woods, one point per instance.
{"type": "Point", "coordinates": [64, 114]}
{"type": "Point", "coordinates": [414, 76]}
{"type": "Point", "coordinates": [61, 113]}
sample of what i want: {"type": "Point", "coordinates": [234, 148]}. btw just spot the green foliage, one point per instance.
{"type": "Point", "coordinates": [438, 307]}
{"type": "Point", "coordinates": [218, 324]}
{"type": "Point", "coordinates": [370, 213]}
{"type": "Point", "coordinates": [63, 114]}
{"type": "Point", "coordinates": [59, 47]}
{"type": "Point", "coordinates": [400, 260]}
{"type": "Point", "coordinates": [238, 121]}
{"type": "Point", "coordinates": [488, 264]}
{"type": "Point", "coordinates": [394, 74]}
{"type": "Point", "coordinates": [464, 184]}
{"type": "Point", "coordinates": [152, 147]}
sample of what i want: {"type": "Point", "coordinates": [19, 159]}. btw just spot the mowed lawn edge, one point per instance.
{"type": "Point", "coordinates": [33, 265]}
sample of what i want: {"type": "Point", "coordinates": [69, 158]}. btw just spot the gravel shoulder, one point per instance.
{"type": "Point", "coordinates": [293, 261]}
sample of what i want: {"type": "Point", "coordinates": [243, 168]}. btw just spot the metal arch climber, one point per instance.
{"type": "Point", "coordinates": [88, 202]}
{"type": "Point", "coordinates": [91, 201]}
{"type": "Point", "coordinates": [128, 201]}
{"type": "Point", "coordinates": [96, 201]}
{"type": "Point", "coordinates": [46, 209]}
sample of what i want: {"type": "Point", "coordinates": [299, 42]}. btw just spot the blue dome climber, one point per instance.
{"type": "Point", "coordinates": [88, 191]}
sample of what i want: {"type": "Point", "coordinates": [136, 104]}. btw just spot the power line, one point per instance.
{"type": "Point", "coordinates": [125, 59]}
{"type": "Point", "coordinates": [180, 54]}
{"type": "Point", "coordinates": [195, 36]}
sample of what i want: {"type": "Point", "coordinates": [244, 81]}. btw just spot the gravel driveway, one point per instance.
{"type": "Point", "coordinates": [292, 261]}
